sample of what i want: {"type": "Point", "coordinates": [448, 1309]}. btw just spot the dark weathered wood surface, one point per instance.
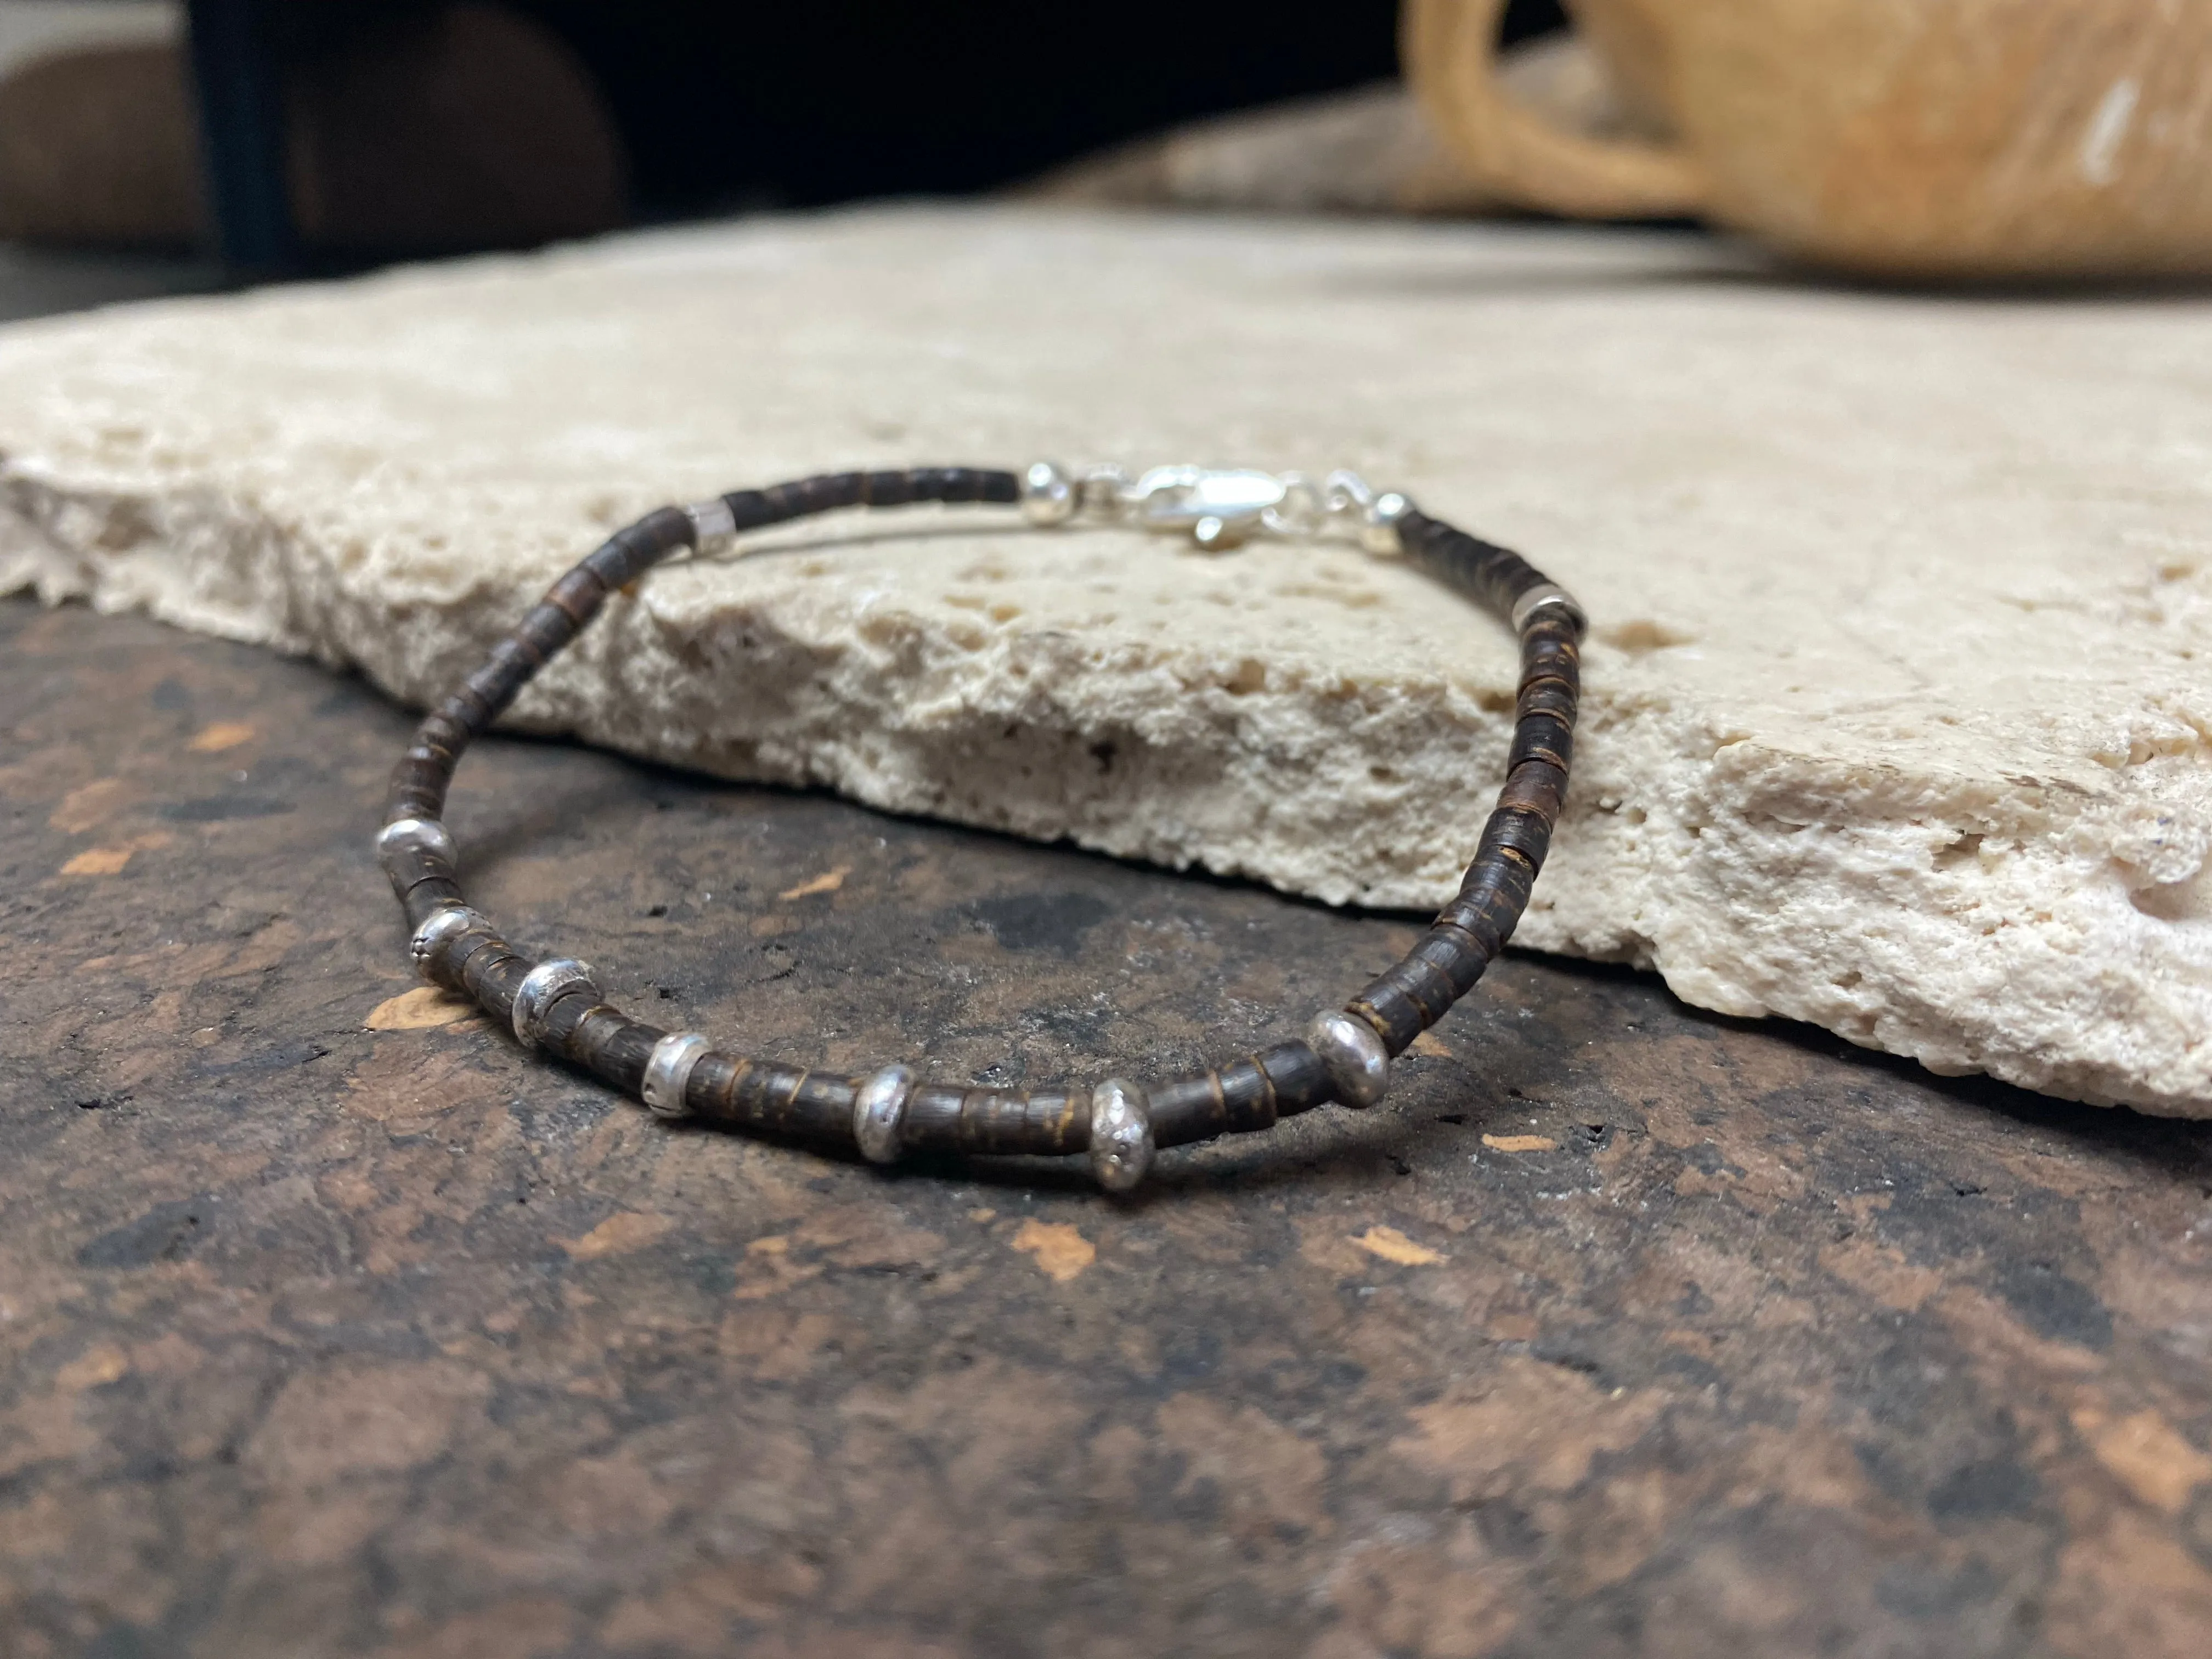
{"type": "Point", "coordinates": [1622, 1330]}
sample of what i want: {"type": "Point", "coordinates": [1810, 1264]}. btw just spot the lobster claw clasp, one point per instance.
{"type": "Point", "coordinates": [1218, 508]}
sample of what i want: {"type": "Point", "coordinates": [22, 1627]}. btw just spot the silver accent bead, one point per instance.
{"type": "Point", "coordinates": [1104, 494]}
{"type": "Point", "coordinates": [712, 524]}
{"type": "Point", "coordinates": [1541, 596]}
{"type": "Point", "coordinates": [1214, 534]}
{"type": "Point", "coordinates": [1047, 494]}
{"type": "Point", "coordinates": [438, 929]}
{"type": "Point", "coordinates": [1378, 525]}
{"type": "Point", "coordinates": [1359, 1065]}
{"type": "Point", "coordinates": [668, 1073]}
{"type": "Point", "coordinates": [879, 1112]}
{"type": "Point", "coordinates": [1121, 1134]}
{"type": "Point", "coordinates": [415, 834]}
{"type": "Point", "coordinates": [539, 987]}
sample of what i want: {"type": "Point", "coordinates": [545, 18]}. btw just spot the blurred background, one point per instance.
{"type": "Point", "coordinates": [181, 143]}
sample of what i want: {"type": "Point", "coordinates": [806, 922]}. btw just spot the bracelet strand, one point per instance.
{"type": "Point", "coordinates": [1345, 1055]}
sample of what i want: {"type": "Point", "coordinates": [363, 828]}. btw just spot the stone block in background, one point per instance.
{"type": "Point", "coordinates": [1898, 698]}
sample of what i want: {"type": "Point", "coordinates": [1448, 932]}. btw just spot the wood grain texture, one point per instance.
{"type": "Point", "coordinates": [1622, 1330]}
{"type": "Point", "coordinates": [1901, 138]}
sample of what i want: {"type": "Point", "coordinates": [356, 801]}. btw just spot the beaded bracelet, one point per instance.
{"type": "Point", "coordinates": [1345, 1055]}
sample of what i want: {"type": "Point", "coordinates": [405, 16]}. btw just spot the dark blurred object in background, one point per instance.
{"type": "Point", "coordinates": [1371, 149]}
{"type": "Point", "coordinates": [439, 126]}
{"type": "Point", "coordinates": [96, 149]}
{"type": "Point", "coordinates": [729, 104]}
{"type": "Point", "coordinates": [341, 131]}
{"type": "Point", "coordinates": [352, 131]}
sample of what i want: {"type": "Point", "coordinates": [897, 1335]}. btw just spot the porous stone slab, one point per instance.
{"type": "Point", "coordinates": [1898, 697]}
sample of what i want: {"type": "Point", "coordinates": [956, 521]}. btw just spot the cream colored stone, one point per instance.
{"type": "Point", "coordinates": [1898, 700]}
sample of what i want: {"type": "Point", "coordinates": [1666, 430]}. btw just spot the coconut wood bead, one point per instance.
{"type": "Point", "coordinates": [1490, 903]}
{"type": "Point", "coordinates": [578, 594]}
{"type": "Point", "coordinates": [492, 976]}
{"type": "Point", "coordinates": [954, 1118]}
{"type": "Point", "coordinates": [1187, 1110]}
{"type": "Point", "coordinates": [1345, 1056]}
{"type": "Point", "coordinates": [604, 1041]}
{"type": "Point", "coordinates": [765, 1094]}
{"type": "Point", "coordinates": [458, 951]}
{"type": "Point", "coordinates": [1542, 736]}
{"type": "Point", "coordinates": [1243, 1097]}
{"type": "Point", "coordinates": [426, 898]}
{"type": "Point", "coordinates": [545, 628]}
{"type": "Point", "coordinates": [418, 787]}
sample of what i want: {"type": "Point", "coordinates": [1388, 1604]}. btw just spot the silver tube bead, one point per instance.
{"type": "Point", "coordinates": [1103, 494]}
{"type": "Point", "coordinates": [1359, 1065]}
{"type": "Point", "coordinates": [415, 836]}
{"type": "Point", "coordinates": [879, 1112]}
{"type": "Point", "coordinates": [1047, 494]}
{"type": "Point", "coordinates": [712, 524]}
{"type": "Point", "coordinates": [1121, 1134]}
{"type": "Point", "coordinates": [1546, 594]}
{"type": "Point", "coordinates": [539, 987]}
{"type": "Point", "coordinates": [439, 929]}
{"type": "Point", "coordinates": [1378, 525]}
{"type": "Point", "coordinates": [668, 1073]}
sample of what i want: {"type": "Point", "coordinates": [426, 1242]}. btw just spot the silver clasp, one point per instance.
{"type": "Point", "coordinates": [1219, 508]}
